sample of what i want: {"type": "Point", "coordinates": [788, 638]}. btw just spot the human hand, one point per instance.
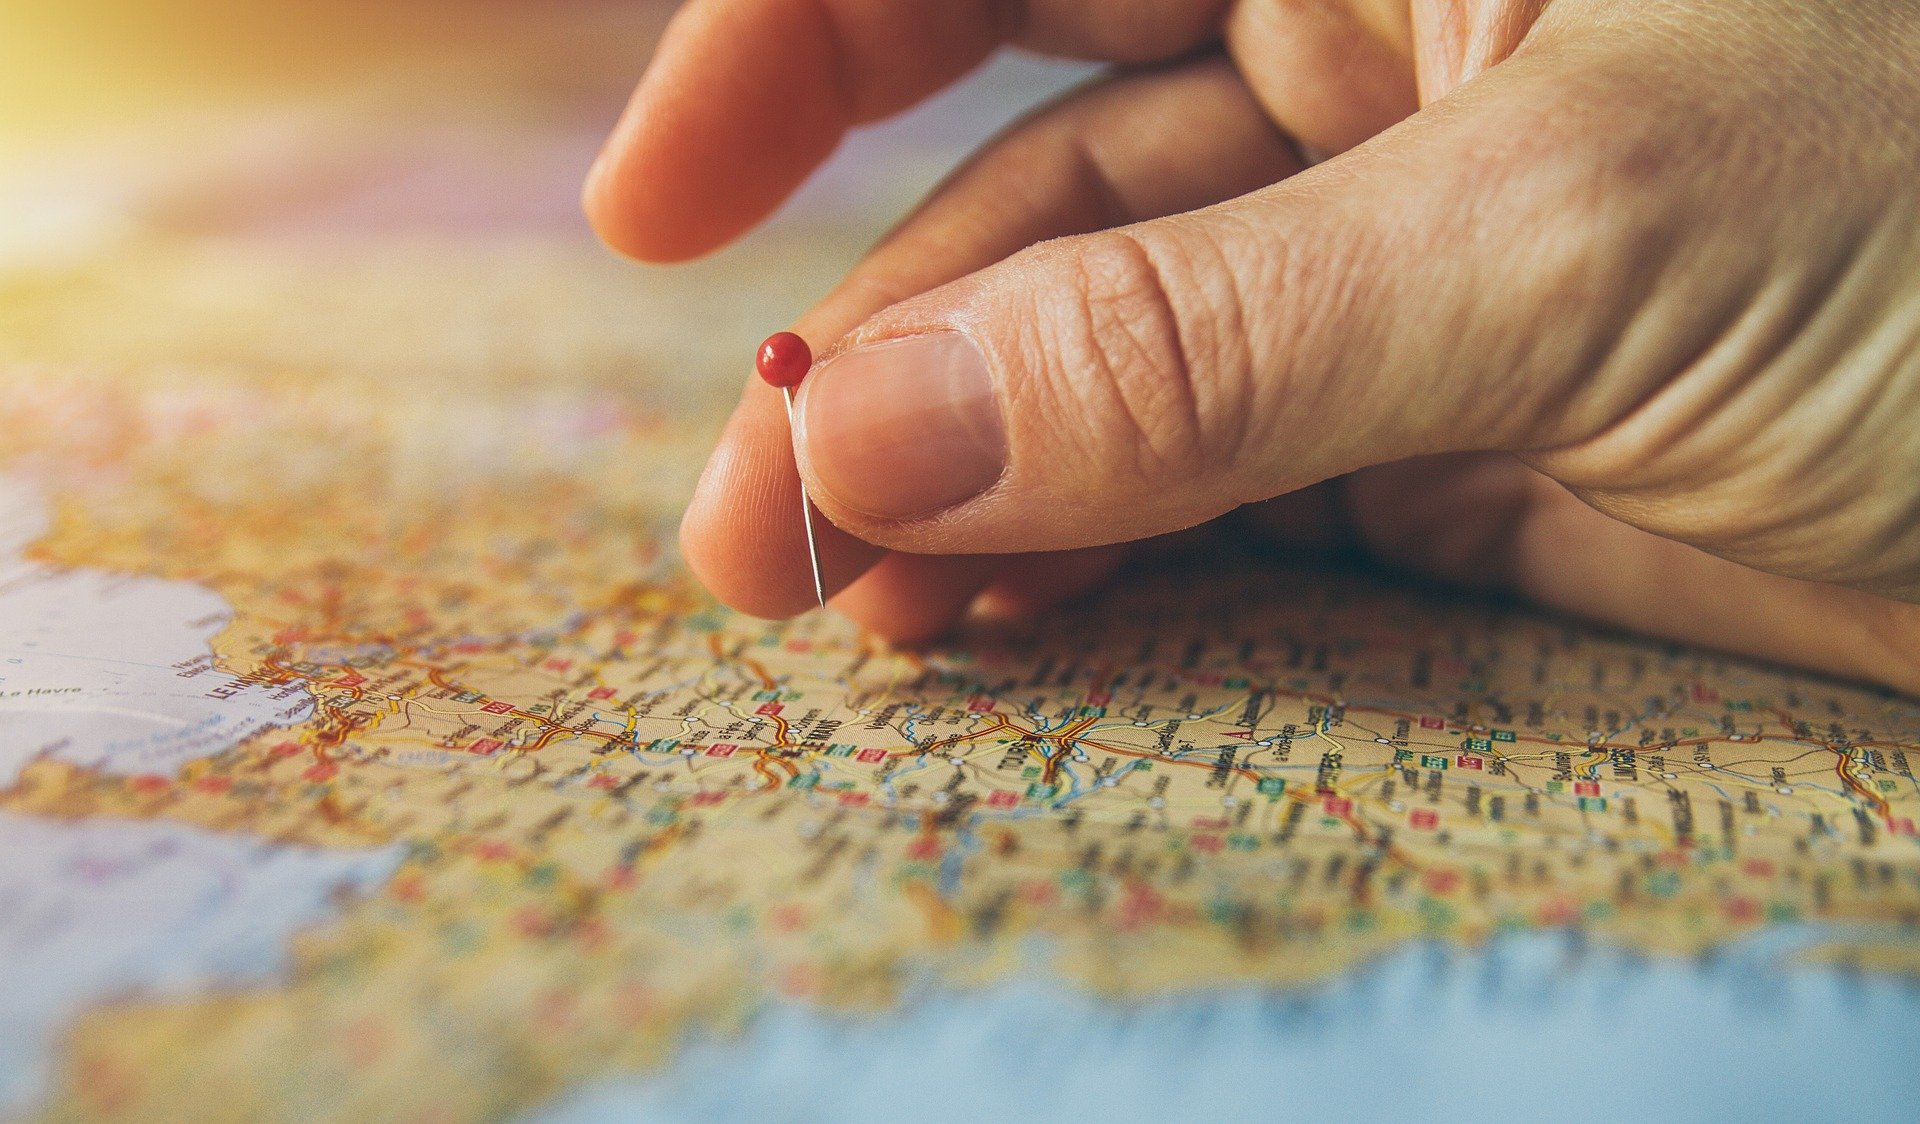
{"type": "Point", "coordinates": [1614, 304]}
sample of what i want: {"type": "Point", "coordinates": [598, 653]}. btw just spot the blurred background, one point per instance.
{"type": "Point", "coordinates": [225, 116]}
{"type": "Point", "coordinates": [214, 197]}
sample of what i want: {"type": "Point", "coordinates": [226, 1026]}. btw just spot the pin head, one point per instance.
{"type": "Point", "coordinates": [784, 360]}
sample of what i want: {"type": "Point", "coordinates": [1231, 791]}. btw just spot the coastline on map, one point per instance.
{"type": "Point", "coordinates": [1525, 1023]}
{"type": "Point", "coordinates": [115, 672]}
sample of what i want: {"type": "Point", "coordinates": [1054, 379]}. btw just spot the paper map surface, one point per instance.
{"type": "Point", "coordinates": [365, 753]}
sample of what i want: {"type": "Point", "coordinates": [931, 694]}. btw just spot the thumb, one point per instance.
{"type": "Point", "coordinates": [1448, 286]}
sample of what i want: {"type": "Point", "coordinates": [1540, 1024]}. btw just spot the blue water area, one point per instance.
{"type": "Point", "coordinates": [95, 910]}
{"type": "Point", "coordinates": [1533, 1027]}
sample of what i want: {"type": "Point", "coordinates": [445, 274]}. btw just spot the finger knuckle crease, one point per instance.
{"type": "Point", "coordinates": [1138, 357]}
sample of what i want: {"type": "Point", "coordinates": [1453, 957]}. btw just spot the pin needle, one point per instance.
{"type": "Point", "coordinates": [783, 361]}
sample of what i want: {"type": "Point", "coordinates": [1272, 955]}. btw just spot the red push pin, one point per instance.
{"type": "Point", "coordinates": [783, 362]}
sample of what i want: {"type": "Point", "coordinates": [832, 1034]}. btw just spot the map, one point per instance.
{"type": "Point", "coordinates": [365, 752]}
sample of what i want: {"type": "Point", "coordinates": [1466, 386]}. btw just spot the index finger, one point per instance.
{"type": "Point", "coordinates": [744, 98]}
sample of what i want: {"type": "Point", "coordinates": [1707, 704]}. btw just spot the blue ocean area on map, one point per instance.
{"type": "Point", "coordinates": [1530, 1026]}
{"type": "Point", "coordinates": [91, 913]}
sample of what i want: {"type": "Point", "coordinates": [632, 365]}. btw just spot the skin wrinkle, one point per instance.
{"type": "Point", "coordinates": [1080, 375]}
{"type": "Point", "coordinates": [1218, 339]}
{"type": "Point", "coordinates": [1733, 339]}
{"type": "Point", "coordinates": [1042, 400]}
{"type": "Point", "coordinates": [1261, 436]}
{"type": "Point", "coordinates": [1637, 450]}
{"type": "Point", "coordinates": [1828, 416]}
{"type": "Point", "coordinates": [1129, 302]}
{"type": "Point", "coordinates": [1668, 185]}
{"type": "Point", "coordinates": [1602, 243]}
{"type": "Point", "coordinates": [1333, 283]}
{"type": "Point", "coordinates": [1754, 379]}
{"type": "Point", "coordinates": [1092, 452]}
{"type": "Point", "coordinates": [1814, 506]}
{"type": "Point", "coordinates": [1583, 226]}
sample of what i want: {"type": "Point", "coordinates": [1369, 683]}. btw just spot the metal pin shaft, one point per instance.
{"type": "Point", "coordinates": [806, 515]}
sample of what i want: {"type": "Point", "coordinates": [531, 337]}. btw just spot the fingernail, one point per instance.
{"type": "Point", "coordinates": [905, 427]}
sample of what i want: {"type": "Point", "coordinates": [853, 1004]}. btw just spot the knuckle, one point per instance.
{"type": "Point", "coordinates": [1784, 445]}
{"type": "Point", "coordinates": [1139, 355]}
